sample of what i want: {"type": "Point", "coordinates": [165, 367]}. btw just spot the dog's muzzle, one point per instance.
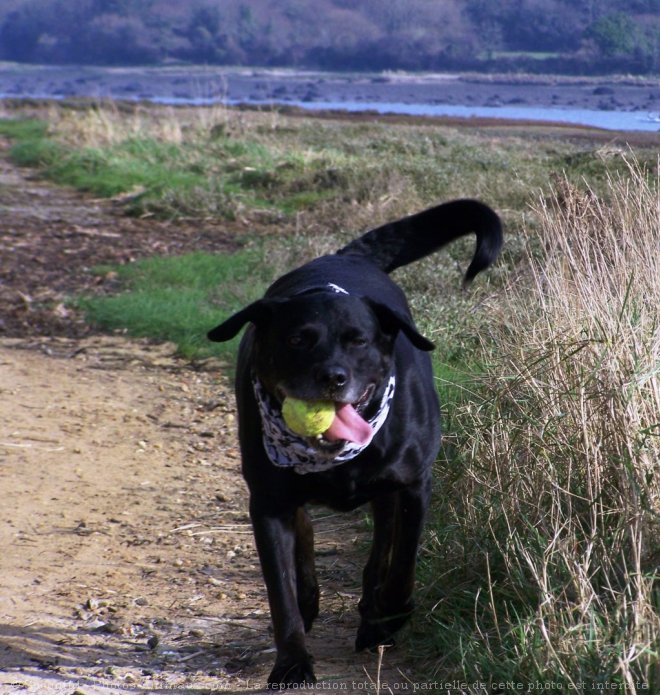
{"type": "Point", "coordinates": [286, 449]}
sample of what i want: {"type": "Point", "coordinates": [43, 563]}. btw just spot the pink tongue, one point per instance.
{"type": "Point", "coordinates": [349, 425]}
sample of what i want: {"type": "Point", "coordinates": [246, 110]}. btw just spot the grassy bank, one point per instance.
{"type": "Point", "coordinates": [539, 562]}
{"type": "Point", "coordinates": [306, 186]}
{"type": "Point", "coordinates": [542, 564]}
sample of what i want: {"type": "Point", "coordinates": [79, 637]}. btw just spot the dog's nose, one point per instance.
{"type": "Point", "coordinates": [334, 376]}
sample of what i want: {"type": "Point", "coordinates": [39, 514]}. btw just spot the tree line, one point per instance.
{"type": "Point", "coordinates": [570, 36]}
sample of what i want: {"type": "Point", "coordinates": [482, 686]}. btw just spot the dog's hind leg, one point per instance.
{"type": "Point", "coordinates": [306, 582]}
{"type": "Point", "coordinates": [386, 606]}
{"type": "Point", "coordinates": [384, 512]}
{"type": "Point", "coordinates": [397, 591]}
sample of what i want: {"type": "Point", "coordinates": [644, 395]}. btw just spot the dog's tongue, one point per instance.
{"type": "Point", "coordinates": [348, 425]}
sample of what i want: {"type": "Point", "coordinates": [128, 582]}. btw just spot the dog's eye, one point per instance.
{"type": "Point", "coordinates": [305, 338]}
{"type": "Point", "coordinates": [358, 341]}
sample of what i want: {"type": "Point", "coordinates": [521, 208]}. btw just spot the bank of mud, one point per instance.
{"type": "Point", "coordinates": [186, 84]}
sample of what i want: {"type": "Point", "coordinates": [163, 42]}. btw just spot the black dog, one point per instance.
{"type": "Point", "coordinates": [338, 329]}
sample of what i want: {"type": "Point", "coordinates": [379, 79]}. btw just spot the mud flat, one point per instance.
{"type": "Point", "coordinates": [189, 84]}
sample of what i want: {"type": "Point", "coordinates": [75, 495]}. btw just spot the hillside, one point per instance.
{"type": "Point", "coordinates": [569, 36]}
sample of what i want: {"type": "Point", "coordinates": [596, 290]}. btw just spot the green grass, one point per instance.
{"type": "Point", "coordinates": [180, 298]}
{"type": "Point", "coordinates": [205, 174]}
{"type": "Point", "coordinates": [136, 163]}
{"type": "Point", "coordinates": [230, 164]}
{"type": "Point", "coordinates": [23, 128]}
{"type": "Point", "coordinates": [152, 169]}
{"type": "Point", "coordinates": [32, 146]}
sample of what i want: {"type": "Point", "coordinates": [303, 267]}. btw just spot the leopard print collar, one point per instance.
{"type": "Point", "coordinates": [288, 450]}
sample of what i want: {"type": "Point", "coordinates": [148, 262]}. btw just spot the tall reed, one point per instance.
{"type": "Point", "coordinates": [558, 505]}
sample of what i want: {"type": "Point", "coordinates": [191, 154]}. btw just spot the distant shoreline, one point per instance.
{"type": "Point", "coordinates": [203, 84]}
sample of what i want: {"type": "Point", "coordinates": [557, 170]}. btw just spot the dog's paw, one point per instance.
{"type": "Point", "coordinates": [370, 637]}
{"type": "Point", "coordinates": [292, 673]}
{"type": "Point", "coordinates": [376, 631]}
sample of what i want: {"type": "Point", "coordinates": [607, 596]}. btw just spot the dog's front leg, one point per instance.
{"type": "Point", "coordinates": [275, 538]}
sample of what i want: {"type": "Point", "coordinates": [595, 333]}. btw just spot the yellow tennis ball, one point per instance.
{"type": "Point", "coordinates": [308, 418]}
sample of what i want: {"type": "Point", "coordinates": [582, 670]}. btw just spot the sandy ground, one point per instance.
{"type": "Point", "coordinates": [126, 557]}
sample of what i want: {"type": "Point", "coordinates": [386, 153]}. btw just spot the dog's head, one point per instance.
{"type": "Point", "coordinates": [323, 345]}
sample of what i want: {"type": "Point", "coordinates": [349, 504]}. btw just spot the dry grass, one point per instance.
{"type": "Point", "coordinates": [111, 123]}
{"type": "Point", "coordinates": [563, 473]}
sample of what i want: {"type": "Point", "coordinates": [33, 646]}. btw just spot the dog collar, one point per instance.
{"type": "Point", "coordinates": [286, 449]}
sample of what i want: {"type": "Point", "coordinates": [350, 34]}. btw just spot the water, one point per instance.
{"type": "Point", "coordinates": [645, 121]}
{"type": "Point", "coordinates": [608, 120]}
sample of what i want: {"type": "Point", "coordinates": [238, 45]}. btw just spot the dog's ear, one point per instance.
{"type": "Point", "coordinates": [256, 313]}
{"type": "Point", "coordinates": [392, 321]}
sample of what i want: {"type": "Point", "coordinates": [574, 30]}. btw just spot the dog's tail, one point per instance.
{"type": "Point", "coordinates": [411, 238]}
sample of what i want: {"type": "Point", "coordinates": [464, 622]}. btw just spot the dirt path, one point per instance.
{"type": "Point", "coordinates": [126, 557]}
